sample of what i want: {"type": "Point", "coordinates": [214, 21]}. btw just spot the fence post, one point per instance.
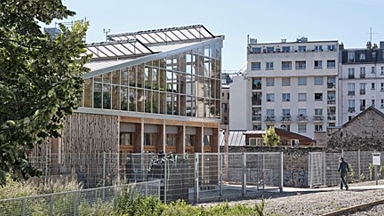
{"type": "Point", "coordinates": [104, 168]}
{"type": "Point", "coordinates": [221, 174]}
{"type": "Point", "coordinates": [359, 163]}
{"type": "Point", "coordinates": [196, 191]}
{"type": "Point", "coordinates": [281, 171]}
{"type": "Point", "coordinates": [76, 194]}
{"type": "Point", "coordinates": [165, 180]}
{"type": "Point", "coordinates": [244, 176]}
{"type": "Point", "coordinates": [325, 167]}
{"type": "Point", "coordinates": [51, 205]}
{"type": "Point", "coordinates": [310, 170]}
{"type": "Point", "coordinates": [23, 207]}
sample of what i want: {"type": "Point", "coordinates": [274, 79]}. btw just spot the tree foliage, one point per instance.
{"type": "Point", "coordinates": [40, 79]}
{"type": "Point", "coordinates": [270, 137]}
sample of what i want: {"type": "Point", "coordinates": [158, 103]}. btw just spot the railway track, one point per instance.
{"type": "Point", "coordinates": [354, 209]}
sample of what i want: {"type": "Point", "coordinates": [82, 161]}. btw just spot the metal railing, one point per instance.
{"type": "Point", "coordinates": [74, 202]}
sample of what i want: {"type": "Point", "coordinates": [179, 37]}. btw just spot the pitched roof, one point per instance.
{"type": "Point", "coordinates": [371, 108]}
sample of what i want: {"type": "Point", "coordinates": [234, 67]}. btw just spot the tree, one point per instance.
{"type": "Point", "coordinates": [270, 137]}
{"type": "Point", "coordinates": [40, 79]}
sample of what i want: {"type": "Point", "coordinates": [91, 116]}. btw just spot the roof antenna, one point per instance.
{"type": "Point", "coordinates": [370, 34]}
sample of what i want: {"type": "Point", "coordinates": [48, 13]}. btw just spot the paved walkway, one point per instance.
{"type": "Point", "coordinates": [351, 187]}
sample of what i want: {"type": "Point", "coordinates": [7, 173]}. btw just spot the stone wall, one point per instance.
{"type": "Point", "coordinates": [365, 132]}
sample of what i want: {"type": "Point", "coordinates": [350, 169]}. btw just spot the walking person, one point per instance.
{"type": "Point", "coordinates": [343, 170]}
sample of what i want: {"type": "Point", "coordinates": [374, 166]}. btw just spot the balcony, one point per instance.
{"type": "Point", "coordinates": [362, 91]}
{"type": "Point", "coordinates": [331, 85]}
{"type": "Point", "coordinates": [351, 76]}
{"type": "Point", "coordinates": [302, 118]}
{"type": "Point", "coordinates": [331, 101]}
{"type": "Point", "coordinates": [256, 118]}
{"type": "Point", "coordinates": [270, 118]}
{"type": "Point", "coordinates": [351, 109]}
{"type": "Point", "coordinates": [285, 118]}
{"type": "Point", "coordinates": [318, 118]}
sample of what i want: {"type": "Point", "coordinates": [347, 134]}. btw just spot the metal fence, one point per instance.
{"type": "Point", "coordinates": [74, 202]}
{"type": "Point", "coordinates": [322, 167]}
{"type": "Point", "coordinates": [194, 178]}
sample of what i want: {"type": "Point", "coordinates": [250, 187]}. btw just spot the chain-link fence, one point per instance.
{"type": "Point", "coordinates": [194, 178]}
{"type": "Point", "coordinates": [323, 167]}
{"type": "Point", "coordinates": [77, 202]}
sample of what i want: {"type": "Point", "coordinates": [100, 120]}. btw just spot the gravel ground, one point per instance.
{"type": "Point", "coordinates": [318, 203]}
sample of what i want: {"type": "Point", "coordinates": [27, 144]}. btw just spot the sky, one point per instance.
{"type": "Point", "coordinates": [348, 21]}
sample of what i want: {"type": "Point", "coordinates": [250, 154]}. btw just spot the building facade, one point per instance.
{"type": "Point", "coordinates": [361, 80]}
{"type": "Point", "coordinates": [289, 85]}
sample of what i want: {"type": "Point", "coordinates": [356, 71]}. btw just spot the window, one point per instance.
{"type": "Point", "coordinates": [331, 64]}
{"type": "Point", "coordinates": [331, 47]}
{"type": "Point", "coordinates": [318, 64]}
{"type": "Point", "coordinates": [270, 97]}
{"type": "Point", "coordinates": [255, 66]}
{"type": "Point", "coordinates": [171, 140]}
{"type": "Point", "coordinates": [269, 66]}
{"type": "Point", "coordinates": [302, 114]}
{"type": "Point", "coordinates": [286, 65]}
{"type": "Point", "coordinates": [381, 86]}
{"type": "Point", "coordinates": [351, 57]}
{"type": "Point", "coordinates": [373, 86]}
{"type": "Point", "coordinates": [302, 128]}
{"type": "Point", "coordinates": [362, 88]}
{"type": "Point", "coordinates": [318, 127]}
{"type": "Point", "coordinates": [362, 56]}
{"type": "Point", "coordinates": [362, 104]}
{"type": "Point", "coordinates": [286, 81]}
{"type": "Point", "coordinates": [362, 72]}
{"type": "Point", "coordinates": [373, 69]}
{"type": "Point", "coordinates": [256, 83]}
{"type": "Point", "coordinates": [270, 49]}
{"type": "Point", "coordinates": [382, 103]}
{"type": "Point", "coordinates": [302, 48]}
{"type": "Point", "coordinates": [351, 105]}
{"type": "Point", "coordinates": [351, 88]}
{"type": "Point", "coordinates": [127, 138]}
{"type": "Point", "coordinates": [286, 112]}
{"type": "Point", "coordinates": [300, 65]}
{"type": "Point", "coordinates": [373, 102]}
{"type": "Point", "coordinates": [255, 141]}
{"type": "Point", "coordinates": [302, 97]}
{"type": "Point", "coordinates": [270, 82]}
{"type": "Point", "coordinates": [149, 139]}
{"type": "Point", "coordinates": [351, 73]}
{"type": "Point", "coordinates": [318, 48]}
{"type": "Point", "coordinates": [318, 112]}
{"type": "Point", "coordinates": [331, 82]}
{"type": "Point", "coordinates": [285, 48]}
{"type": "Point", "coordinates": [302, 80]}
{"type": "Point", "coordinates": [270, 115]}
{"type": "Point", "coordinates": [318, 80]}
{"type": "Point", "coordinates": [256, 49]}
{"type": "Point", "coordinates": [286, 127]}
{"type": "Point", "coordinates": [382, 70]}
{"type": "Point", "coordinates": [286, 97]}
{"type": "Point", "coordinates": [318, 96]}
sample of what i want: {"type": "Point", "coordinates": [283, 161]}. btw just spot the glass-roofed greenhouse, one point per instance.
{"type": "Point", "coordinates": [162, 89]}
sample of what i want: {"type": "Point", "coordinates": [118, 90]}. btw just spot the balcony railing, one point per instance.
{"type": "Point", "coordinates": [285, 118]}
{"type": "Point", "coordinates": [332, 117]}
{"type": "Point", "coordinates": [331, 85]}
{"type": "Point", "coordinates": [318, 118]}
{"type": "Point", "coordinates": [331, 101]}
{"type": "Point", "coordinates": [351, 92]}
{"type": "Point", "coordinates": [302, 118]}
{"type": "Point", "coordinates": [269, 118]}
{"type": "Point", "coordinates": [351, 109]}
{"type": "Point", "coordinates": [256, 118]}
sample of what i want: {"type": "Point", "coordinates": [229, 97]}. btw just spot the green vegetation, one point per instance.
{"type": "Point", "coordinates": [124, 203]}
{"type": "Point", "coordinates": [270, 137]}
{"type": "Point", "coordinates": [40, 79]}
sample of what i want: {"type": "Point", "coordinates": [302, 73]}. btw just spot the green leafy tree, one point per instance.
{"type": "Point", "coordinates": [270, 137]}
{"type": "Point", "coordinates": [40, 79]}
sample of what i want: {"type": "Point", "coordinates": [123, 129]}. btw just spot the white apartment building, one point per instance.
{"type": "Point", "coordinates": [361, 80]}
{"type": "Point", "coordinates": [289, 85]}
